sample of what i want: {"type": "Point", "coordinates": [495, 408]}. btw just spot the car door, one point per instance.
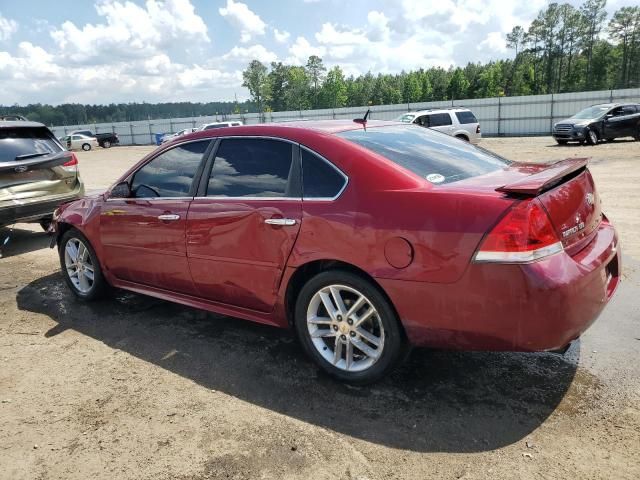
{"type": "Point", "coordinates": [143, 236]}
{"type": "Point", "coordinates": [614, 123]}
{"type": "Point", "coordinates": [244, 223]}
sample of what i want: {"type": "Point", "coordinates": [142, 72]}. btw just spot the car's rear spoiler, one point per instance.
{"type": "Point", "coordinates": [546, 179]}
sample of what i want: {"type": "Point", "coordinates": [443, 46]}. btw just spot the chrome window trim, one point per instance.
{"type": "Point", "coordinates": [221, 197]}
{"type": "Point", "coordinates": [149, 199]}
{"type": "Point", "coordinates": [323, 199]}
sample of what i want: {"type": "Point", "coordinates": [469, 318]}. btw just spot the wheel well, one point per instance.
{"type": "Point", "coordinates": [462, 137]}
{"type": "Point", "coordinates": [61, 229]}
{"type": "Point", "coordinates": [307, 271]}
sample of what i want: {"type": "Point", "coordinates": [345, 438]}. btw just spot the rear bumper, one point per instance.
{"type": "Point", "coordinates": [35, 210]}
{"type": "Point", "coordinates": [532, 307]}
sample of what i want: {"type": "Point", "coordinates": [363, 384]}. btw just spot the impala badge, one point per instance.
{"type": "Point", "coordinates": [570, 231]}
{"type": "Point", "coordinates": [21, 169]}
{"type": "Point", "coordinates": [590, 199]}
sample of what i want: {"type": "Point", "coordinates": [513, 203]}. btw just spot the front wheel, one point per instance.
{"type": "Point", "coordinates": [592, 137]}
{"type": "Point", "coordinates": [86, 147]}
{"type": "Point", "coordinates": [80, 266]}
{"type": "Point", "coordinates": [348, 327]}
{"type": "Point", "coordinates": [106, 144]}
{"type": "Point", "coordinates": [562, 142]}
{"type": "Point", "coordinates": [637, 134]}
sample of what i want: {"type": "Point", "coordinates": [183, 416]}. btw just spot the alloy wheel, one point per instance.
{"type": "Point", "coordinates": [593, 137]}
{"type": "Point", "coordinates": [79, 265]}
{"type": "Point", "coordinates": [345, 328]}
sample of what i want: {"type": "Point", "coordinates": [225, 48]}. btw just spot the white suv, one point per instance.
{"type": "Point", "coordinates": [209, 126]}
{"type": "Point", "coordinates": [457, 122]}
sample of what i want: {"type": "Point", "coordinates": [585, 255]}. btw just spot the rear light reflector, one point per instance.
{"type": "Point", "coordinates": [525, 234]}
{"type": "Point", "coordinates": [71, 165]}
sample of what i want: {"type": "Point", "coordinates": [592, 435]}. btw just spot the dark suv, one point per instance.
{"type": "Point", "coordinates": [600, 122]}
{"type": "Point", "coordinates": [36, 173]}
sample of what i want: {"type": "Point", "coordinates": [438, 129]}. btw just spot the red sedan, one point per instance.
{"type": "Point", "coordinates": [365, 238]}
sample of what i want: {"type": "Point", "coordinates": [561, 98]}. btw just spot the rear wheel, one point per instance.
{"type": "Point", "coordinates": [348, 327]}
{"type": "Point", "coordinates": [609, 140]}
{"type": "Point", "coordinates": [106, 144]}
{"type": "Point", "coordinates": [592, 137]}
{"type": "Point", "coordinates": [86, 147]}
{"type": "Point", "coordinates": [637, 134]}
{"type": "Point", "coordinates": [561, 142]}
{"type": "Point", "coordinates": [80, 266]}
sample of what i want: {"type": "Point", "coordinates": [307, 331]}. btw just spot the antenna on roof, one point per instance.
{"type": "Point", "coordinates": [363, 120]}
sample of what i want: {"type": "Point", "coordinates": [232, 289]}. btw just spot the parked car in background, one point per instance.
{"type": "Point", "coordinates": [210, 126]}
{"type": "Point", "coordinates": [365, 237]}
{"type": "Point", "coordinates": [457, 122]}
{"type": "Point", "coordinates": [606, 121]}
{"type": "Point", "coordinates": [170, 136]}
{"type": "Point", "coordinates": [105, 140]}
{"type": "Point", "coordinates": [77, 141]}
{"type": "Point", "coordinates": [36, 173]}
{"type": "Point", "coordinates": [12, 118]}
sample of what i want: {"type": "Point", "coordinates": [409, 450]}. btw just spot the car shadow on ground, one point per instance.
{"type": "Point", "coordinates": [578, 144]}
{"type": "Point", "coordinates": [16, 241]}
{"type": "Point", "coordinates": [437, 401]}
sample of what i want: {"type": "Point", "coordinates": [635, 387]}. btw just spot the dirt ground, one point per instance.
{"type": "Point", "coordinates": [133, 387]}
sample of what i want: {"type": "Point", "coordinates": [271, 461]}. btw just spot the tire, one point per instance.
{"type": "Point", "coordinates": [609, 140]}
{"type": "Point", "coordinates": [637, 134]}
{"type": "Point", "coordinates": [592, 137]}
{"type": "Point", "coordinates": [380, 335]}
{"type": "Point", "coordinates": [86, 147]}
{"type": "Point", "coordinates": [561, 142]}
{"type": "Point", "coordinates": [81, 286]}
{"type": "Point", "coordinates": [106, 144]}
{"type": "Point", "coordinates": [463, 138]}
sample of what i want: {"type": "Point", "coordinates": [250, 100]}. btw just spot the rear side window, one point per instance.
{"type": "Point", "coordinates": [431, 155]}
{"type": "Point", "coordinates": [439, 119]}
{"type": "Point", "coordinates": [171, 173]}
{"type": "Point", "coordinates": [253, 168]}
{"type": "Point", "coordinates": [319, 178]}
{"type": "Point", "coordinates": [628, 110]}
{"type": "Point", "coordinates": [18, 143]}
{"type": "Point", "coordinates": [466, 117]}
{"type": "Point", "coordinates": [216, 125]}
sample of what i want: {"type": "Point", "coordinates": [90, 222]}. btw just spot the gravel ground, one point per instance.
{"type": "Point", "coordinates": [133, 387]}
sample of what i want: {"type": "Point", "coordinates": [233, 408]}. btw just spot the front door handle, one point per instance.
{"type": "Point", "coordinates": [169, 217]}
{"type": "Point", "coordinates": [284, 222]}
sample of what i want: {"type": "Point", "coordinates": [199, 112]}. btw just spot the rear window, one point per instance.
{"type": "Point", "coordinates": [18, 142]}
{"type": "Point", "coordinates": [466, 117]}
{"type": "Point", "coordinates": [434, 156]}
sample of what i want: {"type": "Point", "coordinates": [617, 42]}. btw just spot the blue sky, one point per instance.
{"type": "Point", "coordinates": [103, 51]}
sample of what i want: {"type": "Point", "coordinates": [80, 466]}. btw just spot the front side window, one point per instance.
{"type": "Point", "coordinates": [252, 167]}
{"type": "Point", "coordinates": [171, 173]}
{"type": "Point", "coordinates": [439, 120]}
{"type": "Point", "coordinates": [319, 178]}
{"type": "Point", "coordinates": [423, 121]}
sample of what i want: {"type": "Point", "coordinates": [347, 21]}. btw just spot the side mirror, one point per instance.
{"type": "Point", "coordinates": [121, 190]}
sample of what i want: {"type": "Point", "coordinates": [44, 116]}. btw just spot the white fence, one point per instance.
{"type": "Point", "coordinates": [502, 116]}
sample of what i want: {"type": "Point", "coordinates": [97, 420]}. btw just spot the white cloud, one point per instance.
{"type": "Point", "coordinates": [301, 50]}
{"type": "Point", "coordinates": [495, 41]}
{"type": "Point", "coordinates": [254, 52]}
{"type": "Point", "coordinates": [243, 18]}
{"type": "Point", "coordinates": [7, 28]}
{"type": "Point", "coordinates": [281, 36]}
{"type": "Point", "coordinates": [130, 31]}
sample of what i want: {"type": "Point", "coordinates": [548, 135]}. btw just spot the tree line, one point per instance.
{"type": "Point", "coordinates": [565, 49]}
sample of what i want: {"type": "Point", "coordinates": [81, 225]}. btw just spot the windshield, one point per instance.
{"type": "Point", "coordinates": [434, 156]}
{"type": "Point", "coordinates": [17, 142]}
{"type": "Point", "coordinates": [591, 112]}
{"type": "Point", "coordinates": [406, 118]}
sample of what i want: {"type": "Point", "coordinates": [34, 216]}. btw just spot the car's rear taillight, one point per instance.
{"type": "Point", "coordinates": [478, 129]}
{"type": "Point", "coordinates": [71, 165]}
{"type": "Point", "coordinates": [524, 234]}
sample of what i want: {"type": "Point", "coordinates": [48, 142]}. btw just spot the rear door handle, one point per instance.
{"type": "Point", "coordinates": [169, 217]}
{"type": "Point", "coordinates": [284, 222]}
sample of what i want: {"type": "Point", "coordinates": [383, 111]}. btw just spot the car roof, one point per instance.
{"type": "Point", "coordinates": [291, 130]}
{"type": "Point", "coordinates": [20, 124]}
{"type": "Point", "coordinates": [437, 110]}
